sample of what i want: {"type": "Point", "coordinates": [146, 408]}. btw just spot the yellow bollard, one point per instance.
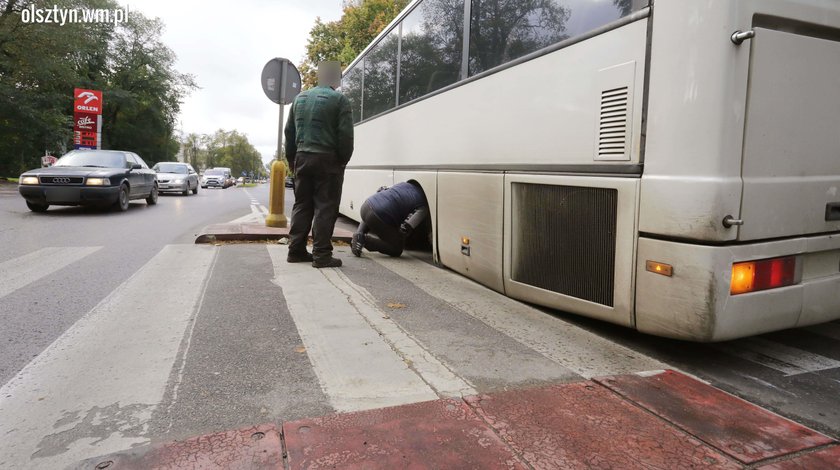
{"type": "Point", "coordinates": [277, 196]}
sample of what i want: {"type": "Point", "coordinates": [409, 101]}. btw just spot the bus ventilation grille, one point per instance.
{"type": "Point", "coordinates": [564, 240]}
{"type": "Point", "coordinates": [612, 137]}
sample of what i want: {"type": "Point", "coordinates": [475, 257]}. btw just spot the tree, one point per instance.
{"type": "Point", "coordinates": [41, 64]}
{"type": "Point", "coordinates": [344, 39]}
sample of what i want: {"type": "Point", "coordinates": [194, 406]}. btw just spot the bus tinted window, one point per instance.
{"type": "Point", "coordinates": [431, 47]}
{"type": "Point", "coordinates": [381, 76]}
{"type": "Point", "coordinates": [351, 86]}
{"type": "Point", "coordinates": [503, 30]}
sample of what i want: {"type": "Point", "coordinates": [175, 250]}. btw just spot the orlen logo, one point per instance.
{"type": "Point", "coordinates": [88, 101]}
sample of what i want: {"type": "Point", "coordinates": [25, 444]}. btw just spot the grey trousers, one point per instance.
{"type": "Point", "coordinates": [318, 181]}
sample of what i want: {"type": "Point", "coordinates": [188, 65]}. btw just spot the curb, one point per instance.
{"type": "Point", "coordinates": [255, 232]}
{"type": "Point", "coordinates": [661, 419]}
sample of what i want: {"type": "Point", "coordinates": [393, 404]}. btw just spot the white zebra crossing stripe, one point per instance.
{"type": "Point", "coordinates": [108, 371]}
{"type": "Point", "coordinates": [356, 367]}
{"type": "Point", "coordinates": [24, 270]}
{"type": "Point", "coordinates": [788, 360]}
{"type": "Point", "coordinates": [576, 349]}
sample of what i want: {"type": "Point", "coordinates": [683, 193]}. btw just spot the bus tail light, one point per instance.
{"type": "Point", "coordinates": [765, 274]}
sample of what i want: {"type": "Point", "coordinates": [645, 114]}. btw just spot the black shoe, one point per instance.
{"type": "Point", "coordinates": [305, 257]}
{"type": "Point", "coordinates": [327, 263]}
{"type": "Point", "coordinates": [357, 244]}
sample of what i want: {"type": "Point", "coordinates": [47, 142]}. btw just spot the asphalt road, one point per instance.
{"type": "Point", "coordinates": [118, 331]}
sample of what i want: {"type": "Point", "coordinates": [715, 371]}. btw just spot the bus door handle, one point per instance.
{"type": "Point", "coordinates": [832, 211]}
{"type": "Point", "coordinates": [730, 221]}
{"type": "Point", "coordinates": [740, 36]}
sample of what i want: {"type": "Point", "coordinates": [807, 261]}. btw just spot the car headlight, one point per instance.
{"type": "Point", "coordinates": [98, 182]}
{"type": "Point", "coordinates": [28, 180]}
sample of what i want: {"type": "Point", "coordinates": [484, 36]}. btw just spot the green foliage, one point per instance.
{"type": "Point", "coordinates": [228, 149]}
{"type": "Point", "coordinates": [344, 39]}
{"type": "Point", "coordinates": [41, 64]}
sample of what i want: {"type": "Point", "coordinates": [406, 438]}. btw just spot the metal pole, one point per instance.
{"type": "Point", "coordinates": [277, 185]}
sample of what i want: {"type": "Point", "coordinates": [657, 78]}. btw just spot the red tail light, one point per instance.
{"type": "Point", "coordinates": [765, 274]}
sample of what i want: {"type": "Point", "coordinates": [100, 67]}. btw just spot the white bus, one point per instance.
{"type": "Point", "coordinates": [668, 165]}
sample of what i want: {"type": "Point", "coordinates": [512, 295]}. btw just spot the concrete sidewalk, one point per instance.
{"type": "Point", "coordinates": [661, 419]}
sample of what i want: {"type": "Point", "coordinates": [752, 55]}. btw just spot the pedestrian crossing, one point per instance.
{"type": "Point", "coordinates": [257, 215]}
{"type": "Point", "coordinates": [95, 389]}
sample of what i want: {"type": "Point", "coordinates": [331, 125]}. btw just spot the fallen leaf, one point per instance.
{"type": "Point", "coordinates": [395, 305]}
{"type": "Point", "coordinates": [300, 349]}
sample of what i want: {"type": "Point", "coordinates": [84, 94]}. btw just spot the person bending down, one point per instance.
{"type": "Point", "coordinates": [388, 218]}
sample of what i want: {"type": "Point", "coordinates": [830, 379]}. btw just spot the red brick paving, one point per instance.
{"type": "Point", "coordinates": [664, 421]}
{"type": "Point", "coordinates": [584, 425]}
{"type": "Point", "coordinates": [742, 430]}
{"type": "Point", "coordinates": [436, 434]}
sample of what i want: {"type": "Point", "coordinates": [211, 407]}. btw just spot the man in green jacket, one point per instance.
{"type": "Point", "coordinates": [319, 143]}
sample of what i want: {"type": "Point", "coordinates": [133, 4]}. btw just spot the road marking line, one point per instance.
{"type": "Point", "coordinates": [100, 381]}
{"type": "Point", "coordinates": [576, 349]}
{"type": "Point", "coordinates": [264, 209]}
{"type": "Point", "coordinates": [26, 269]}
{"type": "Point", "coordinates": [790, 361]}
{"type": "Point", "coordinates": [434, 372]}
{"type": "Point", "coordinates": [356, 367]}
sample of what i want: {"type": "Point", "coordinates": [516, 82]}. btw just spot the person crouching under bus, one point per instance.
{"type": "Point", "coordinates": [388, 218]}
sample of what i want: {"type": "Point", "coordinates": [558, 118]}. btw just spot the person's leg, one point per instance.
{"type": "Point", "coordinates": [382, 237]}
{"type": "Point", "coordinates": [302, 213]}
{"type": "Point", "coordinates": [327, 198]}
{"type": "Point", "coordinates": [358, 241]}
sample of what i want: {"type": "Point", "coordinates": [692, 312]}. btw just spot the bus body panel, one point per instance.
{"type": "Point", "coordinates": [627, 189]}
{"type": "Point", "coordinates": [470, 209]}
{"type": "Point", "coordinates": [695, 303]}
{"type": "Point", "coordinates": [699, 83]}
{"type": "Point", "coordinates": [544, 112]}
{"type": "Point", "coordinates": [791, 165]}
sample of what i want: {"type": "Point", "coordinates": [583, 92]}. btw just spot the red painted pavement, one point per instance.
{"type": "Point", "coordinates": [437, 434]}
{"type": "Point", "coordinates": [583, 425]}
{"type": "Point", "coordinates": [664, 421]}
{"type": "Point", "coordinates": [739, 428]}
{"type": "Point", "coordinates": [253, 448]}
{"type": "Point", "coordinates": [823, 459]}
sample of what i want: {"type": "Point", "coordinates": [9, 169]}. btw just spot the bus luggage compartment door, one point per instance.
{"type": "Point", "coordinates": [791, 156]}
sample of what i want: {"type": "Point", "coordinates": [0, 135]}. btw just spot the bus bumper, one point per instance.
{"type": "Point", "coordinates": [694, 303]}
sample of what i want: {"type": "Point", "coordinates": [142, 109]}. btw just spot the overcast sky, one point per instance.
{"type": "Point", "coordinates": [225, 45]}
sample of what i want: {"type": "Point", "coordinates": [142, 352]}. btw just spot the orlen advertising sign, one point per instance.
{"type": "Point", "coordinates": [87, 101]}
{"type": "Point", "coordinates": [87, 118]}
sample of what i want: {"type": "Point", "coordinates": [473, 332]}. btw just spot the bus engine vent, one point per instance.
{"type": "Point", "coordinates": [612, 129]}
{"type": "Point", "coordinates": [563, 239]}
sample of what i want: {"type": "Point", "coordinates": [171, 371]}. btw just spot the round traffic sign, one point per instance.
{"type": "Point", "coordinates": [280, 80]}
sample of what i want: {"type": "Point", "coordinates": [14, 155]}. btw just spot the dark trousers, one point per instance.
{"type": "Point", "coordinates": [318, 181]}
{"type": "Point", "coordinates": [380, 236]}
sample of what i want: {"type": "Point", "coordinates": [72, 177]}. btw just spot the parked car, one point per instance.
{"type": "Point", "coordinates": [290, 182]}
{"type": "Point", "coordinates": [216, 178]}
{"type": "Point", "coordinates": [176, 177]}
{"type": "Point", "coordinates": [90, 177]}
{"type": "Point", "coordinates": [240, 180]}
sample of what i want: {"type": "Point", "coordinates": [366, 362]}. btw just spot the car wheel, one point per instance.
{"type": "Point", "coordinates": [153, 196]}
{"type": "Point", "coordinates": [35, 207]}
{"type": "Point", "coordinates": [122, 200]}
{"type": "Point", "coordinates": [195, 189]}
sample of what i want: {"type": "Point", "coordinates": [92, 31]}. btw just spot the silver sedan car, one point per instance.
{"type": "Point", "coordinates": [176, 177]}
